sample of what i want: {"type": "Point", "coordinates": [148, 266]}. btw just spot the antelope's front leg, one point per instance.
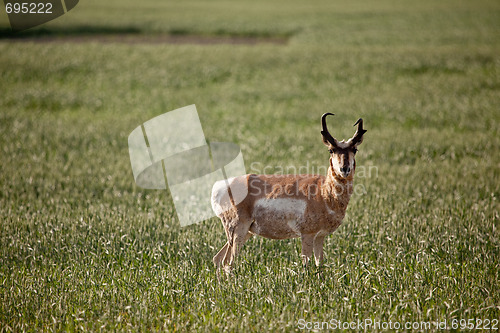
{"type": "Point", "coordinates": [318, 249]}
{"type": "Point", "coordinates": [307, 248]}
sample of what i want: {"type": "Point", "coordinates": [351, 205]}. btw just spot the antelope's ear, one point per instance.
{"type": "Point", "coordinates": [357, 138]}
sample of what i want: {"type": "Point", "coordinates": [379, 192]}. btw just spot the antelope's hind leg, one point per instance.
{"type": "Point", "coordinates": [221, 255]}
{"type": "Point", "coordinates": [240, 235]}
{"type": "Point", "coordinates": [237, 232]}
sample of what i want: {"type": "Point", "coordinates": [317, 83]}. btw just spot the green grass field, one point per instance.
{"type": "Point", "coordinates": [83, 248]}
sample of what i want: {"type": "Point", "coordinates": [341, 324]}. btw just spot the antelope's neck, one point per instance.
{"type": "Point", "coordinates": [336, 191]}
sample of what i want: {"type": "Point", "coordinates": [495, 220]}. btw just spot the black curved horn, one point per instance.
{"type": "Point", "coordinates": [358, 136]}
{"type": "Point", "coordinates": [326, 134]}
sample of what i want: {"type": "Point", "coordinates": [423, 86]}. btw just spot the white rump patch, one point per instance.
{"type": "Point", "coordinates": [219, 190]}
{"type": "Point", "coordinates": [221, 201]}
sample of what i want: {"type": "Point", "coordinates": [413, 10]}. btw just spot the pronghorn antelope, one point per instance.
{"type": "Point", "coordinates": [288, 206]}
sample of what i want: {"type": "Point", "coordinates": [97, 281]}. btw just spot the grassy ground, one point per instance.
{"type": "Point", "coordinates": [83, 248]}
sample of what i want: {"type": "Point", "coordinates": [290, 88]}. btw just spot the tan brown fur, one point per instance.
{"type": "Point", "coordinates": [290, 206]}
